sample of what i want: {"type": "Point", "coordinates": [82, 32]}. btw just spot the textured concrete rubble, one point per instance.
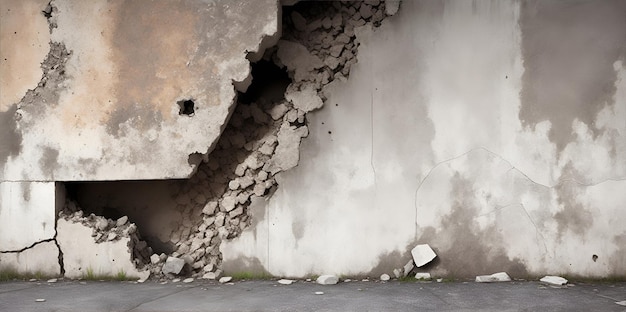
{"type": "Point", "coordinates": [495, 277]}
{"type": "Point", "coordinates": [554, 280]}
{"type": "Point", "coordinates": [422, 255]}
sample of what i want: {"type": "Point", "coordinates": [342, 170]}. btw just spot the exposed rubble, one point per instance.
{"type": "Point", "coordinates": [327, 280]}
{"type": "Point", "coordinates": [496, 277]}
{"type": "Point", "coordinates": [422, 255]}
{"type": "Point", "coordinates": [554, 280]}
{"type": "Point", "coordinates": [261, 139]}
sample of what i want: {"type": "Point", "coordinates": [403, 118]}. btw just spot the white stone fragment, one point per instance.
{"type": "Point", "coordinates": [40, 300]}
{"type": "Point", "coordinates": [305, 99]}
{"type": "Point", "coordinates": [188, 280]}
{"type": "Point", "coordinates": [285, 281]}
{"type": "Point", "coordinates": [154, 259]}
{"type": "Point", "coordinates": [622, 303]}
{"type": "Point", "coordinates": [422, 276]}
{"type": "Point", "coordinates": [554, 280]}
{"type": "Point", "coordinates": [319, 292]}
{"type": "Point", "coordinates": [121, 221]}
{"type": "Point", "coordinates": [233, 185]}
{"type": "Point", "coordinates": [327, 280]}
{"type": "Point", "coordinates": [112, 236]}
{"type": "Point", "coordinates": [495, 277]}
{"type": "Point", "coordinates": [228, 202]}
{"type": "Point", "coordinates": [143, 276]}
{"type": "Point", "coordinates": [102, 224]}
{"type": "Point", "coordinates": [385, 277]}
{"type": "Point", "coordinates": [52, 280]}
{"type": "Point", "coordinates": [209, 208]}
{"type": "Point", "coordinates": [408, 267]}
{"type": "Point", "coordinates": [226, 279]}
{"type": "Point", "coordinates": [397, 273]}
{"type": "Point", "coordinates": [422, 255]}
{"type": "Point", "coordinates": [173, 265]}
{"type": "Point", "coordinates": [278, 111]}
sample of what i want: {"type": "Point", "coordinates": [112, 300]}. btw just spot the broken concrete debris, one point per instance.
{"type": "Point", "coordinates": [262, 139]}
{"type": "Point", "coordinates": [285, 281]}
{"type": "Point", "coordinates": [385, 277]}
{"type": "Point", "coordinates": [327, 280]}
{"type": "Point", "coordinates": [422, 255]}
{"type": "Point", "coordinates": [398, 273]}
{"type": "Point", "coordinates": [496, 277]}
{"type": "Point", "coordinates": [173, 265]}
{"type": "Point", "coordinates": [422, 276]}
{"type": "Point", "coordinates": [225, 279]}
{"type": "Point", "coordinates": [554, 280]}
{"type": "Point", "coordinates": [408, 267]}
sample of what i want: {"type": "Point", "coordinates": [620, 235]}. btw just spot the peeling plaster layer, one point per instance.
{"type": "Point", "coordinates": [27, 214]}
{"type": "Point", "coordinates": [424, 144]}
{"type": "Point", "coordinates": [116, 114]}
{"type": "Point", "coordinates": [23, 46]}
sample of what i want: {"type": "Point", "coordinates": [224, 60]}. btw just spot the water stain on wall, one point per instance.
{"type": "Point", "coordinates": [10, 136]}
{"type": "Point", "coordinates": [569, 48]}
{"type": "Point", "coordinates": [574, 216]}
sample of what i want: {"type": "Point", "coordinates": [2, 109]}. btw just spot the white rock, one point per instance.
{"type": "Point", "coordinates": [554, 280]}
{"type": "Point", "coordinates": [143, 276]}
{"type": "Point", "coordinates": [40, 300]}
{"type": "Point", "coordinates": [112, 236]}
{"type": "Point", "coordinates": [52, 280]}
{"type": "Point", "coordinates": [173, 265]}
{"type": "Point", "coordinates": [495, 277]}
{"type": "Point", "coordinates": [226, 279]}
{"type": "Point", "coordinates": [385, 277]}
{"type": "Point", "coordinates": [154, 259]}
{"type": "Point", "coordinates": [233, 185]}
{"type": "Point", "coordinates": [397, 273]}
{"type": "Point", "coordinates": [176, 280]}
{"type": "Point", "coordinates": [408, 267]}
{"type": "Point", "coordinates": [439, 280]}
{"type": "Point", "coordinates": [188, 280]}
{"type": "Point", "coordinates": [102, 224]}
{"type": "Point", "coordinates": [319, 292]}
{"type": "Point", "coordinates": [422, 255]}
{"type": "Point", "coordinates": [622, 303]}
{"type": "Point", "coordinates": [228, 203]}
{"type": "Point", "coordinates": [422, 276]}
{"type": "Point", "coordinates": [285, 281]}
{"type": "Point", "coordinates": [305, 99]}
{"type": "Point", "coordinates": [327, 280]}
{"type": "Point", "coordinates": [121, 221]}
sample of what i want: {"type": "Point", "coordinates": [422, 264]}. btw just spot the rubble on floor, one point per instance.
{"type": "Point", "coordinates": [554, 280]}
{"type": "Point", "coordinates": [422, 255]}
{"type": "Point", "coordinates": [495, 277]}
{"type": "Point", "coordinates": [422, 276]}
{"type": "Point", "coordinates": [385, 277]}
{"type": "Point", "coordinates": [327, 280]}
{"type": "Point", "coordinates": [285, 281]}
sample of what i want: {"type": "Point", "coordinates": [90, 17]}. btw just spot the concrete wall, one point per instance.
{"type": "Point", "coordinates": [493, 131]}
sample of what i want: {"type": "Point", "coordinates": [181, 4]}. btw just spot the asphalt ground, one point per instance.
{"type": "Point", "coordinates": [268, 295]}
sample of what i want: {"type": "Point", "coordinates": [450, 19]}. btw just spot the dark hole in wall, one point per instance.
{"type": "Point", "coordinates": [269, 83]}
{"type": "Point", "coordinates": [187, 107]}
{"type": "Point", "coordinates": [155, 206]}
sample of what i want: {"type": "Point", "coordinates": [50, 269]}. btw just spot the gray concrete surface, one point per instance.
{"type": "Point", "coordinates": [300, 296]}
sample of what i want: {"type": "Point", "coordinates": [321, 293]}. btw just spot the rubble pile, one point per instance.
{"type": "Point", "coordinates": [261, 139]}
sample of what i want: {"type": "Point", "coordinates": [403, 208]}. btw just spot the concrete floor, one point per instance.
{"type": "Point", "coordinates": [300, 296]}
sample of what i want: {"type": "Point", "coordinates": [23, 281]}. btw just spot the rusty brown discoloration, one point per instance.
{"type": "Point", "coordinates": [569, 49]}
{"type": "Point", "coordinates": [151, 46]}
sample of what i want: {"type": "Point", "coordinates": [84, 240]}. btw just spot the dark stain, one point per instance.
{"type": "Point", "coordinates": [251, 265]}
{"type": "Point", "coordinates": [389, 261]}
{"type": "Point", "coordinates": [25, 191]}
{"type": "Point", "coordinates": [10, 136]}
{"type": "Point", "coordinates": [573, 216]}
{"type": "Point", "coordinates": [297, 229]}
{"type": "Point", "coordinates": [569, 48]}
{"type": "Point", "coordinates": [617, 261]}
{"type": "Point", "coordinates": [49, 161]}
{"type": "Point", "coordinates": [472, 251]}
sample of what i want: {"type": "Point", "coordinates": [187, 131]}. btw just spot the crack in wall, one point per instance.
{"type": "Point", "coordinates": [29, 247]}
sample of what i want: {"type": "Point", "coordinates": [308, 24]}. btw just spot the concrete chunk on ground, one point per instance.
{"type": "Point", "coordinates": [327, 280]}
{"type": "Point", "coordinates": [285, 281]}
{"type": "Point", "coordinates": [422, 255]}
{"type": "Point", "coordinates": [173, 265]}
{"type": "Point", "coordinates": [422, 276]}
{"type": "Point", "coordinates": [397, 273]}
{"type": "Point", "coordinates": [408, 267]}
{"type": "Point", "coordinates": [554, 280]}
{"type": "Point", "coordinates": [226, 279]}
{"type": "Point", "coordinates": [496, 277]}
{"type": "Point", "coordinates": [385, 277]}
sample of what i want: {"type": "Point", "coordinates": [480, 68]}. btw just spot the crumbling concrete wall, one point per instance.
{"type": "Point", "coordinates": [493, 131]}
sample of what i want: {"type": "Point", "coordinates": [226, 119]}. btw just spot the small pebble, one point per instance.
{"type": "Point", "coordinates": [40, 300]}
{"type": "Point", "coordinates": [319, 292]}
{"type": "Point", "coordinates": [188, 280]}
{"type": "Point", "coordinates": [52, 280]}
